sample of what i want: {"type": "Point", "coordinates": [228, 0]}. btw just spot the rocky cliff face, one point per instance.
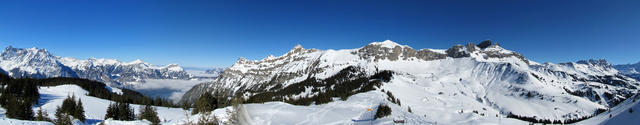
{"type": "Point", "coordinates": [39, 63]}
{"type": "Point", "coordinates": [484, 75]}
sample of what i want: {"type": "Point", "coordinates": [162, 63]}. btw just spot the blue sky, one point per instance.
{"type": "Point", "coordinates": [215, 33]}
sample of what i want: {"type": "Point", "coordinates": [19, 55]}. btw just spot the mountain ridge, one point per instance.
{"type": "Point", "coordinates": [489, 75]}
{"type": "Point", "coordinates": [40, 63]}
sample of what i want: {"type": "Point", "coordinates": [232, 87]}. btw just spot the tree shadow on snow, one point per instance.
{"type": "Point", "coordinates": [92, 121]}
{"type": "Point", "coordinates": [45, 98]}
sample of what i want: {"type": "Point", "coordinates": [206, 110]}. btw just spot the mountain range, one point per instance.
{"type": "Point", "coordinates": [463, 84]}
{"type": "Point", "coordinates": [450, 85]}
{"type": "Point", "coordinates": [631, 70]}
{"type": "Point", "coordinates": [40, 63]}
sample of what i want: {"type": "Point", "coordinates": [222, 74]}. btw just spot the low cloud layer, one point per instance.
{"type": "Point", "coordinates": [166, 88]}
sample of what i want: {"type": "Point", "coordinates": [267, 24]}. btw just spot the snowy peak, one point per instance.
{"type": "Point", "coordinates": [600, 62]}
{"type": "Point", "coordinates": [631, 70]}
{"type": "Point", "coordinates": [39, 63]}
{"type": "Point", "coordinates": [628, 68]}
{"type": "Point", "coordinates": [19, 62]}
{"type": "Point", "coordinates": [270, 57]}
{"type": "Point", "coordinates": [173, 67]}
{"type": "Point", "coordinates": [296, 49]}
{"type": "Point", "coordinates": [31, 53]}
{"type": "Point", "coordinates": [242, 60]}
{"type": "Point", "coordinates": [485, 77]}
{"type": "Point", "coordinates": [386, 43]}
{"type": "Point", "coordinates": [137, 61]}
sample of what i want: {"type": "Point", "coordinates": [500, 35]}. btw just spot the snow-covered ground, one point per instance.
{"type": "Point", "coordinates": [95, 108]}
{"type": "Point", "coordinates": [425, 110]}
{"type": "Point", "coordinates": [618, 115]}
{"type": "Point", "coordinates": [337, 112]}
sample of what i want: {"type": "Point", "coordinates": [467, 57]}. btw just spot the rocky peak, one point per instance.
{"type": "Point", "coordinates": [10, 51]}
{"type": "Point", "coordinates": [296, 49]}
{"type": "Point", "coordinates": [458, 51]}
{"type": "Point", "coordinates": [173, 67]}
{"type": "Point", "coordinates": [29, 55]}
{"type": "Point", "coordinates": [270, 57]}
{"type": "Point", "coordinates": [600, 62]}
{"type": "Point", "coordinates": [241, 60]}
{"type": "Point", "coordinates": [484, 44]}
{"type": "Point", "coordinates": [386, 44]}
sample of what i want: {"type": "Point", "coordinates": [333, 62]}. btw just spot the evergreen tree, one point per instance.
{"type": "Point", "coordinates": [112, 111]}
{"type": "Point", "coordinates": [73, 108]}
{"type": "Point", "coordinates": [125, 112]}
{"type": "Point", "coordinates": [62, 118]}
{"type": "Point", "coordinates": [150, 114]}
{"type": "Point", "coordinates": [186, 105]}
{"type": "Point", "coordinates": [31, 91]}
{"type": "Point", "coordinates": [69, 105]}
{"type": "Point", "coordinates": [205, 103]}
{"type": "Point", "coordinates": [79, 111]}
{"type": "Point", "coordinates": [19, 109]}
{"type": "Point", "coordinates": [383, 110]}
{"type": "Point", "coordinates": [42, 115]}
{"type": "Point", "coordinates": [120, 111]}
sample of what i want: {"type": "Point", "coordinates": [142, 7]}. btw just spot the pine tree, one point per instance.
{"type": "Point", "coordinates": [42, 115]}
{"type": "Point", "coordinates": [120, 111]}
{"type": "Point", "coordinates": [125, 112]}
{"type": "Point", "coordinates": [149, 113]}
{"type": "Point", "coordinates": [69, 105]}
{"type": "Point", "coordinates": [30, 90]}
{"type": "Point", "coordinates": [62, 118]}
{"type": "Point", "coordinates": [185, 105]}
{"type": "Point", "coordinates": [112, 111]}
{"type": "Point", "coordinates": [19, 109]}
{"type": "Point", "coordinates": [205, 103]}
{"type": "Point", "coordinates": [79, 111]}
{"type": "Point", "coordinates": [383, 110]}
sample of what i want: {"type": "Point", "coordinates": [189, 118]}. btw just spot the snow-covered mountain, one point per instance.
{"type": "Point", "coordinates": [631, 70]}
{"type": "Point", "coordinates": [457, 85]}
{"type": "Point", "coordinates": [39, 63]}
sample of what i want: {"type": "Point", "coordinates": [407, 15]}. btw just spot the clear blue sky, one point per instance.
{"type": "Point", "coordinates": [213, 33]}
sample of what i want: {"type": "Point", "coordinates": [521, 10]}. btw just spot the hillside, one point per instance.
{"type": "Point", "coordinates": [463, 83]}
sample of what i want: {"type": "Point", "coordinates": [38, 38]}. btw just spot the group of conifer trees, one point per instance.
{"type": "Point", "coordinates": [347, 82]}
{"type": "Point", "coordinates": [17, 96]}
{"type": "Point", "coordinates": [207, 103]}
{"type": "Point", "coordinates": [99, 90]}
{"type": "Point", "coordinates": [123, 111]}
{"type": "Point", "coordinates": [69, 110]}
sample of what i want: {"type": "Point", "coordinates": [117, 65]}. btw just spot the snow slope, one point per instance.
{"type": "Point", "coordinates": [95, 108]}
{"type": "Point", "coordinates": [620, 114]}
{"type": "Point", "coordinates": [352, 110]}
{"type": "Point", "coordinates": [439, 84]}
{"type": "Point", "coordinates": [7, 121]}
{"type": "Point", "coordinates": [631, 70]}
